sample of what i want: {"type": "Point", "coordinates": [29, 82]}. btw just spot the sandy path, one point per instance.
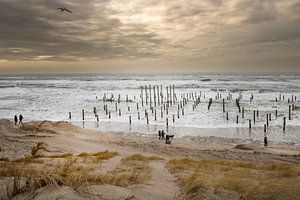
{"type": "Point", "coordinates": [162, 186]}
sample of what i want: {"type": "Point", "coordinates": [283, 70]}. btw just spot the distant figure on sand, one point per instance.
{"type": "Point", "coordinates": [16, 119]}
{"type": "Point", "coordinates": [266, 141]}
{"type": "Point", "coordinates": [21, 119]}
{"type": "Point", "coordinates": [159, 135]}
{"type": "Point", "coordinates": [162, 134]}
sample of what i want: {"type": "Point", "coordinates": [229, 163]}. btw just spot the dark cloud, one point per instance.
{"type": "Point", "coordinates": [162, 32]}
{"type": "Point", "coordinates": [37, 28]}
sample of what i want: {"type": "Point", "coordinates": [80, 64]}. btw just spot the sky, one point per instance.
{"type": "Point", "coordinates": [200, 35]}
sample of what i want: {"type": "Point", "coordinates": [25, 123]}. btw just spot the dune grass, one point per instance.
{"type": "Point", "coordinates": [76, 170]}
{"type": "Point", "coordinates": [200, 179]}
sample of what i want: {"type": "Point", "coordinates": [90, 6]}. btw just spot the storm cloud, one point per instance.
{"type": "Point", "coordinates": [161, 33]}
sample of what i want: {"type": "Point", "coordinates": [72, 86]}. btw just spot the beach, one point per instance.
{"type": "Point", "coordinates": [150, 158]}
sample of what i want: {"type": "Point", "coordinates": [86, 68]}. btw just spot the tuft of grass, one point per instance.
{"type": "Point", "coordinates": [198, 178]}
{"type": "Point", "coordinates": [39, 146]}
{"type": "Point", "coordinates": [104, 155]}
{"type": "Point", "coordinates": [84, 154]}
{"type": "Point", "coordinates": [64, 155]}
{"type": "Point", "coordinates": [40, 172]}
{"type": "Point", "coordinates": [139, 157]}
{"type": "Point", "coordinates": [5, 159]}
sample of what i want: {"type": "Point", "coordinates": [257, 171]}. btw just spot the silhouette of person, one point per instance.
{"type": "Point", "coordinates": [266, 141]}
{"type": "Point", "coordinates": [21, 119]}
{"type": "Point", "coordinates": [16, 119]}
{"type": "Point", "coordinates": [162, 134]}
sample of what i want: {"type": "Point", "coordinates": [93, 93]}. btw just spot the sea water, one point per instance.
{"type": "Point", "coordinates": [53, 96]}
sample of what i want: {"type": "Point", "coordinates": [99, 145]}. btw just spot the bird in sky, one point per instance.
{"type": "Point", "coordinates": [64, 9]}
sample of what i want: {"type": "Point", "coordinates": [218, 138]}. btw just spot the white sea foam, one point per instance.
{"type": "Point", "coordinates": [51, 97]}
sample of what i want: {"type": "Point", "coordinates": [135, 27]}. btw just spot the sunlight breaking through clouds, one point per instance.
{"type": "Point", "coordinates": [163, 33]}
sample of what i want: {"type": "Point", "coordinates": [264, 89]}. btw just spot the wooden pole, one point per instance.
{"type": "Point", "coordinates": [237, 119]}
{"type": "Point", "coordinates": [284, 124]}
{"type": "Point", "coordinates": [265, 128]}
{"type": "Point", "coordinates": [70, 115]}
{"type": "Point", "coordinates": [83, 114]}
{"type": "Point", "coordinates": [243, 113]}
{"type": "Point", "coordinates": [267, 119]}
{"type": "Point", "coordinates": [290, 112]}
{"type": "Point", "coordinates": [142, 96]}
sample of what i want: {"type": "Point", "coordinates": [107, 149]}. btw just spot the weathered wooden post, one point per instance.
{"type": "Point", "coordinates": [130, 120]}
{"type": "Point", "coordinates": [254, 116]}
{"type": "Point", "coordinates": [290, 112]}
{"type": "Point", "coordinates": [223, 105]}
{"type": "Point", "coordinates": [237, 119]}
{"type": "Point", "coordinates": [142, 96]}
{"type": "Point", "coordinates": [173, 118]}
{"type": "Point", "coordinates": [139, 117]}
{"type": "Point", "coordinates": [94, 111]}
{"type": "Point", "coordinates": [83, 114]}
{"type": "Point", "coordinates": [173, 94]}
{"type": "Point", "coordinates": [150, 95]}
{"type": "Point", "coordinates": [161, 112]}
{"type": "Point", "coordinates": [167, 88]}
{"type": "Point", "coordinates": [167, 122]}
{"type": "Point", "coordinates": [265, 128]}
{"type": "Point", "coordinates": [109, 115]}
{"type": "Point", "coordinates": [70, 115]}
{"type": "Point", "coordinates": [243, 112]}
{"type": "Point", "coordinates": [155, 115]}
{"type": "Point", "coordinates": [284, 124]}
{"type": "Point", "coordinates": [267, 119]}
{"type": "Point", "coordinates": [120, 114]}
{"type": "Point", "coordinates": [146, 95]}
{"type": "Point", "coordinates": [158, 100]}
{"type": "Point", "coordinates": [227, 116]}
{"type": "Point", "coordinates": [276, 113]}
{"type": "Point", "coordinates": [154, 95]}
{"type": "Point", "coordinates": [147, 119]}
{"type": "Point", "coordinates": [250, 124]}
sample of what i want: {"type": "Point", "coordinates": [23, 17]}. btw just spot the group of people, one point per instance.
{"type": "Point", "coordinates": [162, 136]}
{"type": "Point", "coordinates": [20, 119]}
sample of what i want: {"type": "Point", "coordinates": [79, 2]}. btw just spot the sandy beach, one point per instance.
{"type": "Point", "coordinates": [126, 166]}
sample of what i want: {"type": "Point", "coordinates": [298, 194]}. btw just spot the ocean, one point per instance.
{"type": "Point", "coordinates": [53, 96]}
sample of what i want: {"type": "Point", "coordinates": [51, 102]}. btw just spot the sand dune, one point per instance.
{"type": "Point", "coordinates": [51, 160]}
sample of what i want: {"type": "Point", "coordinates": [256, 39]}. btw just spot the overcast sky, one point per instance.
{"type": "Point", "coordinates": [149, 34]}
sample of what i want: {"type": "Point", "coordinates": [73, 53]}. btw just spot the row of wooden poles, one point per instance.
{"type": "Point", "coordinates": [154, 96]}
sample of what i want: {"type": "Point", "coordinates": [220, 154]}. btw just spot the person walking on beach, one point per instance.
{"type": "Point", "coordinates": [16, 119]}
{"type": "Point", "coordinates": [21, 119]}
{"type": "Point", "coordinates": [266, 141]}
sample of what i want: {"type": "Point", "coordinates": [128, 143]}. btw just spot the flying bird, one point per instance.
{"type": "Point", "coordinates": [64, 9]}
